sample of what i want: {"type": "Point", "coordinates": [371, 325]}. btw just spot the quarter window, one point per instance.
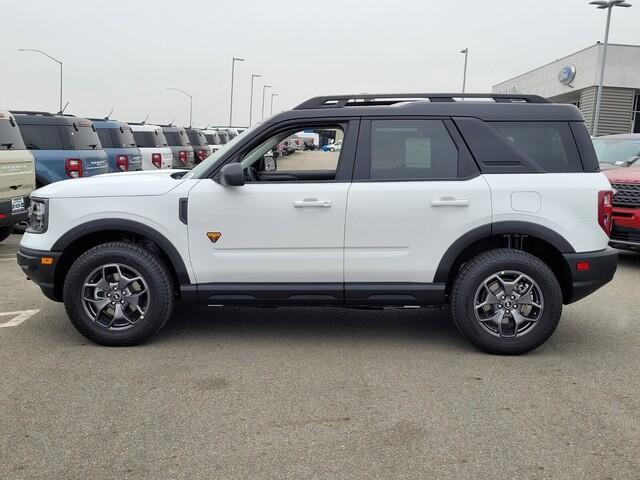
{"type": "Point", "coordinates": [412, 150]}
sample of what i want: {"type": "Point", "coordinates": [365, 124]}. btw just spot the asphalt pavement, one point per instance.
{"type": "Point", "coordinates": [298, 393]}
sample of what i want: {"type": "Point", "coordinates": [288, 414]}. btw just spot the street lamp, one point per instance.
{"type": "Point", "coordinates": [233, 66]}
{"type": "Point", "coordinates": [464, 75]}
{"type": "Point", "coordinates": [602, 4]}
{"type": "Point", "coordinates": [55, 60]}
{"type": "Point", "coordinates": [264, 88]}
{"type": "Point", "coordinates": [190, 102]}
{"type": "Point", "coordinates": [253, 77]}
{"type": "Point", "coordinates": [273, 95]}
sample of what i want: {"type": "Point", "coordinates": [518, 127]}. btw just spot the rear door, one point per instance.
{"type": "Point", "coordinates": [416, 190]}
{"type": "Point", "coordinates": [82, 141]}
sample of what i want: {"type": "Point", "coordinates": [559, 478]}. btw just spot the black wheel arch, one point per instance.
{"type": "Point", "coordinates": [85, 236]}
{"type": "Point", "coordinates": [539, 240]}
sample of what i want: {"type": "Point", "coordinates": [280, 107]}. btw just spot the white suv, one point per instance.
{"type": "Point", "coordinates": [156, 152]}
{"type": "Point", "coordinates": [495, 208]}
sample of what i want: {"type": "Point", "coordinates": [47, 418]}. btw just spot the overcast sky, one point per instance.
{"type": "Point", "coordinates": [122, 54]}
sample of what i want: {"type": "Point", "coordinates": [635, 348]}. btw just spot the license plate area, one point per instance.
{"type": "Point", "coordinates": [18, 205]}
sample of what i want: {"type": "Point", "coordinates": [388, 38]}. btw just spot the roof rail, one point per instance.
{"type": "Point", "coordinates": [32, 112]}
{"type": "Point", "coordinates": [361, 100]}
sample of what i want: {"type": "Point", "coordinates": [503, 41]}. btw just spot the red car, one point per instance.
{"type": "Point", "coordinates": [619, 157]}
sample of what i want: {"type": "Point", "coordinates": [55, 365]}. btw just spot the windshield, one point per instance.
{"type": "Point", "coordinates": [82, 138]}
{"type": "Point", "coordinates": [616, 151]}
{"type": "Point", "coordinates": [10, 138]}
{"type": "Point", "coordinates": [146, 139]}
{"type": "Point", "coordinates": [176, 138]}
{"type": "Point", "coordinates": [211, 160]}
{"type": "Point", "coordinates": [196, 138]}
{"type": "Point", "coordinates": [121, 137]}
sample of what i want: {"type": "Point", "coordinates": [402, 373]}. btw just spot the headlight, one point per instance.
{"type": "Point", "coordinates": [38, 215]}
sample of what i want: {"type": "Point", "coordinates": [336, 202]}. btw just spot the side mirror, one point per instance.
{"type": "Point", "coordinates": [232, 175]}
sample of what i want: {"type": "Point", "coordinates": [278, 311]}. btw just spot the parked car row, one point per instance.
{"type": "Point", "coordinates": [39, 148]}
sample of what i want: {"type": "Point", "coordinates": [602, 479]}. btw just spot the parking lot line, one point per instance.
{"type": "Point", "coordinates": [19, 317]}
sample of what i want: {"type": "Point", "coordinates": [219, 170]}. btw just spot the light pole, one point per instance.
{"type": "Point", "coordinates": [233, 66]}
{"type": "Point", "coordinates": [602, 4]}
{"type": "Point", "coordinates": [52, 58]}
{"type": "Point", "coordinates": [190, 102]}
{"type": "Point", "coordinates": [464, 75]}
{"type": "Point", "coordinates": [273, 95]}
{"type": "Point", "coordinates": [264, 88]}
{"type": "Point", "coordinates": [253, 77]}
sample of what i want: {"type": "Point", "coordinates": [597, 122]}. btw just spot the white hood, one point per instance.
{"type": "Point", "coordinates": [143, 183]}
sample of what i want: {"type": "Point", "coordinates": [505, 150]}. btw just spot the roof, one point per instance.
{"type": "Point", "coordinates": [486, 106]}
{"type": "Point", "coordinates": [45, 118]}
{"type": "Point", "coordinates": [103, 123]}
{"type": "Point", "coordinates": [147, 127]}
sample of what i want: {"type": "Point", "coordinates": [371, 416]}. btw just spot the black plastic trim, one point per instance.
{"type": "Point", "coordinates": [602, 267]}
{"type": "Point", "coordinates": [399, 294]}
{"type": "Point", "coordinates": [127, 226]}
{"type": "Point", "coordinates": [183, 210]}
{"type": "Point", "coordinates": [42, 275]}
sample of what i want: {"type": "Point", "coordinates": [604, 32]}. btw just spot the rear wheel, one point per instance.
{"type": "Point", "coordinates": [118, 294]}
{"type": "Point", "coordinates": [506, 301]}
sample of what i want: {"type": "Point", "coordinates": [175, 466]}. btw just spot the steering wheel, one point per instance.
{"type": "Point", "coordinates": [251, 174]}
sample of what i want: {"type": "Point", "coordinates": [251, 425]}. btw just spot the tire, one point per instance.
{"type": "Point", "coordinates": [142, 271]}
{"type": "Point", "coordinates": [5, 232]}
{"type": "Point", "coordinates": [476, 301]}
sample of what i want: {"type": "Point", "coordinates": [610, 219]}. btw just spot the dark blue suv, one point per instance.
{"type": "Point", "coordinates": [63, 146]}
{"type": "Point", "coordinates": [117, 140]}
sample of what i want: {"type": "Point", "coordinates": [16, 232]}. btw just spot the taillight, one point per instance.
{"type": "Point", "coordinates": [182, 156]}
{"type": "Point", "coordinates": [605, 210]}
{"type": "Point", "coordinates": [156, 159]}
{"type": "Point", "coordinates": [73, 167]}
{"type": "Point", "coordinates": [202, 154]}
{"type": "Point", "coordinates": [122, 162]}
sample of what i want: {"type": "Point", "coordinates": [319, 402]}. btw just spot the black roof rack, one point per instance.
{"type": "Point", "coordinates": [361, 100]}
{"type": "Point", "coordinates": [32, 112]}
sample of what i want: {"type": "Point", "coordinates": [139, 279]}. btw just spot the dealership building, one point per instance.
{"type": "Point", "coordinates": [574, 79]}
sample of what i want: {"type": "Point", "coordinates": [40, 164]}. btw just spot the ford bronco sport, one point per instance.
{"type": "Point", "coordinates": [493, 206]}
{"type": "Point", "coordinates": [17, 175]}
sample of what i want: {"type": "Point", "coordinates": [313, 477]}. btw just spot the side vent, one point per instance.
{"type": "Point", "coordinates": [183, 205]}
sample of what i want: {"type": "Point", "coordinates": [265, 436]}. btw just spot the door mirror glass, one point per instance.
{"type": "Point", "coordinates": [232, 175]}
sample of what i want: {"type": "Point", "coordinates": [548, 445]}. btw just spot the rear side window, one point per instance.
{"type": "Point", "coordinates": [412, 150]}
{"type": "Point", "coordinates": [549, 144]}
{"type": "Point", "coordinates": [10, 138]}
{"type": "Point", "coordinates": [41, 137]}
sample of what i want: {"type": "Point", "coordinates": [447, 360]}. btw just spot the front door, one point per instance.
{"type": "Point", "coordinates": [281, 235]}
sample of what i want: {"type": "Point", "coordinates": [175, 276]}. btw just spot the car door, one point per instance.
{"type": "Point", "coordinates": [415, 191]}
{"type": "Point", "coordinates": [280, 236]}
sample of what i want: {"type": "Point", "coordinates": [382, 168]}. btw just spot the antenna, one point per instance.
{"type": "Point", "coordinates": [107, 117]}
{"type": "Point", "coordinates": [171, 122]}
{"type": "Point", "coordinates": [145, 120]}
{"type": "Point", "coordinates": [61, 112]}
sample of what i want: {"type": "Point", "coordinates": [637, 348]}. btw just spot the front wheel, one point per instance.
{"type": "Point", "coordinates": [506, 301]}
{"type": "Point", "coordinates": [119, 294]}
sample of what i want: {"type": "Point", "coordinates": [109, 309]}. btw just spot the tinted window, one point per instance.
{"type": "Point", "coordinates": [176, 138]}
{"type": "Point", "coordinates": [81, 138]}
{"type": "Point", "coordinates": [412, 149]}
{"type": "Point", "coordinates": [10, 138]}
{"type": "Point", "coordinates": [224, 138]}
{"type": "Point", "coordinates": [197, 138]}
{"type": "Point", "coordinates": [212, 138]}
{"type": "Point", "coordinates": [549, 144]}
{"type": "Point", "coordinates": [104, 134]}
{"type": "Point", "coordinates": [150, 139]}
{"type": "Point", "coordinates": [41, 137]}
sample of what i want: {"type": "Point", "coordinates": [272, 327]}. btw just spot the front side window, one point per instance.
{"type": "Point", "coordinates": [412, 150]}
{"type": "Point", "coordinates": [284, 157]}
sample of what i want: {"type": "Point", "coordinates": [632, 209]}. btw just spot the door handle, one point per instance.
{"type": "Point", "coordinates": [450, 202]}
{"type": "Point", "coordinates": [312, 202]}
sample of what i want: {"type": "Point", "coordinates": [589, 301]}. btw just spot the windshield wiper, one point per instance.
{"type": "Point", "coordinates": [93, 146]}
{"type": "Point", "coordinates": [9, 145]}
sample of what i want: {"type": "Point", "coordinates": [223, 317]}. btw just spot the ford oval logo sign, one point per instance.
{"type": "Point", "coordinates": [567, 75]}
